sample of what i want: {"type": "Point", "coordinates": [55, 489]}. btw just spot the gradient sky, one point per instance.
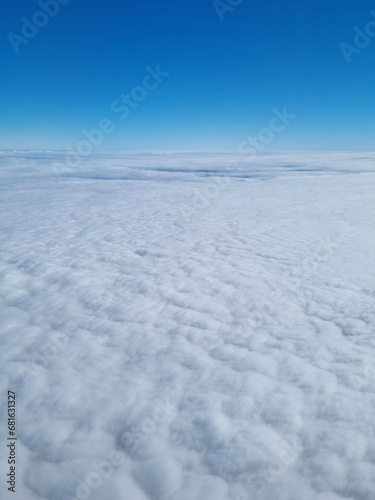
{"type": "Point", "coordinates": [225, 76]}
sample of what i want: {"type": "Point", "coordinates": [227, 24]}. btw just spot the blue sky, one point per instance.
{"type": "Point", "coordinates": [225, 76]}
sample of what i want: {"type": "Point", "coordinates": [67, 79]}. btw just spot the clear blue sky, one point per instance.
{"type": "Point", "coordinates": [225, 76]}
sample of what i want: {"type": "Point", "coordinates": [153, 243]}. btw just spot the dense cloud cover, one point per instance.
{"type": "Point", "coordinates": [182, 326]}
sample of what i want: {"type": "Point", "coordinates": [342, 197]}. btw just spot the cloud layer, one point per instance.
{"type": "Point", "coordinates": [189, 325]}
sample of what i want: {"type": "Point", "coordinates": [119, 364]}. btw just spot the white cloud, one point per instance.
{"type": "Point", "coordinates": [219, 341]}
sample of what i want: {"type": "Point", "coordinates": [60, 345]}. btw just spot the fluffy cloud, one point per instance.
{"type": "Point", "coordinates": [174, 328]}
